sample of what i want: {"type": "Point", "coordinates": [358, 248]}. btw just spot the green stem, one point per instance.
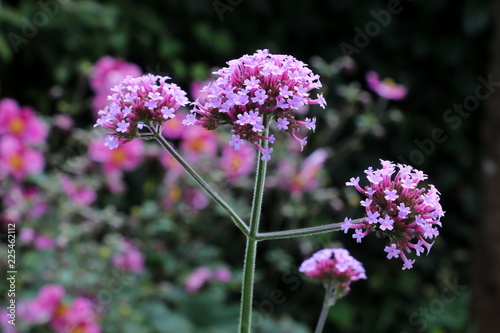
{"type": "Point", "coordinates": [328, 302]}
{"type": "Point", "coordinates": [236, 219]}
{"type": "Point", "coordinates": [303, 231]}
{"type": "Point", "coordinates": [251, 247]}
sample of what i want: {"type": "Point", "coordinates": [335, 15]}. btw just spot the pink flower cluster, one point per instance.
{"type": "Point", "coordinates": [252, 87]}
{"type": "Point", "coordinates": [20, 130]}
{"type": "Point", "coordinates": [197, 279]}
{"type": "Point", "coordinates": [146, 101]}
{"type": "Point", "coordinates": [49, 307]}
{"type": "Point", "coordinates": [107, 73]}
{"type": "Point", "coordinates": [396, 208]}
{"type": "Point", "coordinates": [335, 266]}
{"type": "Point", "coordinates": [386, 88]}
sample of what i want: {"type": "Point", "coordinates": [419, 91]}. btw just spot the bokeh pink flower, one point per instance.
{"type": "Point", "coordinates": [21, 123]}
{"type": "Point", "coordinates": [77, 192]}
{"type": "Point", "coordinates": [107, 73]}
{"type": "Point", "coordinates": [129, 259]}
{"type": "Point", "coordinates": [237, 163]}
{"type": "Point", "coordinates": [125, 157]}
{"type": "Point", "coordinates": [304, 177]}
{"type": "Point", "coordinates": [18, 160]}
{"type": "Point", "coordinates": [386, 88]}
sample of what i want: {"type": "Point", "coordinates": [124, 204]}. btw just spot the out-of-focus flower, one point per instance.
{"type": "Point", "coordinates": [304, 178]}
{"type": "Point", "coordinates": [78, 317]}
{"type": "Point", "coordinates": [77, 191]}
{"type": "Point", "coordinates": [195, 281]}
{"type": "Point", "coordinates": [23, 202]}
{"type": "Point", "coordinates": [173, 129]}
{"type": "Point", "coordinates": [198, 142]}
{"type": "Point", "coordinates": [396, 208]}
{"type": "Point", "coordinates": [145, 101]}
{"type": "Point", "coordinates": [109, 71]}
{"type": "Point", "coordinates": [43, 242]}
{"type": "Point", "coordinates": [64, 122]}
{"type": "Point", "coordinates": [386, 88]}
{"type": "Point", "coordinates": [27, 235]}
{"type": "Point", "coordinates": [237, 163]}
{"type": "Point", "coordinates": [5, 317]}
{"type": "Point", "coordinates": [222, 274]}
{"type": "Point", "coordinates": [21, 123]}
{"type": "Point", "coordinates": [18, 160]}
{"type": "Point", "coordinates": [43, 307]}
{"type": "Point", "coordinates": [255, 86]}
{"type": "Point", "coordinates": [129, 259]}
{"type": "Point", "coordinates": [196, 90]}
{"type": "Point", "coordinates": [196, 199]}
{"type": "Point", "coordinates": [126, 157]}
{"type": "Point", "coordinates": [334, 266]}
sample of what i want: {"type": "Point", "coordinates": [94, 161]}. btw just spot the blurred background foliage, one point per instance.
{"type": "Point", "coordinates": [436, 48]}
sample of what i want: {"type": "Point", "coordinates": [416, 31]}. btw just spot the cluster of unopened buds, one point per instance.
{"type": "Point", "coordinates": [334, 266]}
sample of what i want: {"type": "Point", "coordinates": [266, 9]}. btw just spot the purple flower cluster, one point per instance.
{"type": "Point", "coordinates": [334, 266]}
{"type": "Point", "coordinates": [250, 88]}
{"type": "Point", "coordinates": [396, 208]}
{"type": "Point", "coordinates": [137, 102]}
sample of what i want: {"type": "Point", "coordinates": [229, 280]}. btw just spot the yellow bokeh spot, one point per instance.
{"type": "Point", "coordinates": [61, 311]}
{"type": "Point", "coordinates": [16, 162]}
{"type": "Point", "coordinates": [78, 329]}
{"type": "Point", "coordinates": [389, 81]}
{"type": "Point", "coordinates": [104, 252]}
{"type": "Point", "coordinates": [196, 144]}
{"type": "Point", "coordinates": [125, 310]}
{"type": "Point", "coordinates": [118, 156]}
{"type": "Point", "coordinates": [16, 126]}
{"type": "Point", "coordinates": [175, 194]}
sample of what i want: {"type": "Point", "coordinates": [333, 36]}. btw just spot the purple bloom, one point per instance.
{"type": "Point", "coordinates": [236, 142]}
{"type": "Point", "coordinates": [410, 214]}
{"type": "Point", "coordinates": [346, 225]}
{"type": "Point", "coordinates": [137, 101]}
{"type": "Point", "coordinates": [358, 235]}
{"type": "Point", "coordinates": [392, 251]}
{"type": "Point", "coordinates": [265, 84]}
{"type": "Point", "coordinates": [386, 223]}
{"type": "Point", "coordinates": [335, 266]}
{"type": "Point", "coordinates": [283, 123]}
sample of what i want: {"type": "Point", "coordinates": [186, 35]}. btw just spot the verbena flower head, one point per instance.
{"type": "Point", "coordinates": [335, 266]}
{"type": "Point", "coordinates": [396, 208]}
{"type": "Point", "coordinates": [386, 88]}
{"type": "Point", "coordinates": [252, 87]}
{"type": "Point", "coordinates": [139, 102]}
